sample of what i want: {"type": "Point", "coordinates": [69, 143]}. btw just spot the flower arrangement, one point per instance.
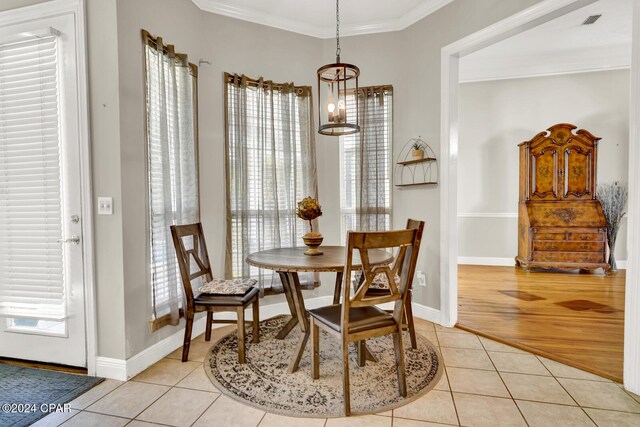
{"type": "Point", "coordinates": [308, 210]}
{"type": "Point", "coordinates": [613, 198]}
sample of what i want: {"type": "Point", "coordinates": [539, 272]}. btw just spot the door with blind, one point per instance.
{"type": "Point", "coordinates": [42, 316]}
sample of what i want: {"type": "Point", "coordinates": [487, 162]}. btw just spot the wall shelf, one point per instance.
{"type": "Point", "coordinates": [411, 162]}
{"type": "Point", "coordinates": [416, 183]}
{"type": "Point", "coordinates": [411, 172]}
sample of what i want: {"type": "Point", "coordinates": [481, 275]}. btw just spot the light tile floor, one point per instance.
{"type": "Point", "coordinates": [485, 384]}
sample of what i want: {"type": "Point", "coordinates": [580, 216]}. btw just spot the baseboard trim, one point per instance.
{"type": "Point", "coordinates": [108, 367]}
{"type": "Point", "coordinates": [470, 260]}
{"type": "Point", "coordinates": [123, 370]}
{"type": "Point", "coordinates": [424, 312]}
{"type": "Point", "coordinates": [507, 262]}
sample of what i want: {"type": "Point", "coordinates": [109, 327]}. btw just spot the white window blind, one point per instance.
{"type": "Point", "coordinates": [172, 170]}
{"type": "Point", "coordinates": [31, 259]}
{"type": "Point", "coordinates": [366, 162]}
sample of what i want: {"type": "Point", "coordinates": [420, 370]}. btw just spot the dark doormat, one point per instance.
{"type": "Point", "coordinates": [28, 394]}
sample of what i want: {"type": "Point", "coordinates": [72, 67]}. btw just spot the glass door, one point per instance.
{"type": "Point", "coordinates": [42, 316]}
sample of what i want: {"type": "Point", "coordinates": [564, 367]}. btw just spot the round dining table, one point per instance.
{"type": "Point", "coordinates": [288, 262]}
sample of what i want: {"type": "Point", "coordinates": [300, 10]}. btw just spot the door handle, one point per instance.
{"type": "Point", "coordinates": [73, 239]}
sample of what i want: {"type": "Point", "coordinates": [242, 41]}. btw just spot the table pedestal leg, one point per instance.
{"type": "Point", "coordinates": [303, 321]}
{"type": "Point", "coordinates": [338, 289]}
{"type": "Point", "coordinates": [368, 355]}
{"type": "Point", "coordinates": [295, 300]}
{"type": "Point", "coordinates": [292, 308]}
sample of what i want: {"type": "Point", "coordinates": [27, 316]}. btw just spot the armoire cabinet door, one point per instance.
{"type": "Point", "coordinates": [578, 172]}
{"type": "Point", "coordinates": [544, 173]}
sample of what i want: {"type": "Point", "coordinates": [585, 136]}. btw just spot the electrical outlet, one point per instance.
{"type": "Point", "coordinates": [420, 279]}
{"type": "Point", "coordinates": [105, 205]}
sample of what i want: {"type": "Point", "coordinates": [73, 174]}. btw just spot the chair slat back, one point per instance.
{"type": "Point", "coordinates": [412, 256]}
{"type": "Point", "coordinates": [189, 243]}
{"type": "Point", "coordinates": [404, 243]}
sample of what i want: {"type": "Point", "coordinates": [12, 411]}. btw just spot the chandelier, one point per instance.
{"type": "Point", "coordinates": [335, 82]}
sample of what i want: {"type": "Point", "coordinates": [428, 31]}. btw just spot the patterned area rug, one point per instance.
{"type": "Point", "coordinates": [264, 382]}
{"type": "Point", "coordinates": [38, 392]}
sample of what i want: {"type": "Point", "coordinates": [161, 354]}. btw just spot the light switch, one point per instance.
{"type": "Point", "coordinates": [105, 205]}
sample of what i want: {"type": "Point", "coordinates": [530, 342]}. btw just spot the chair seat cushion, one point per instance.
{"type": "Point", "coordinates": [227, 287]}
{"type": "Point", "coordinates": [226, 300]}
{"type": "Point", "coordinates": [360, 318]}
{"type": "Point", "coordinates": [380, 281]}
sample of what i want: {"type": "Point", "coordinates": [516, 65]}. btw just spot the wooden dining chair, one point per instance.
{"type": "Point", "coordinates": [380, 285]}
{"type": "Point", "coordinates": [357, 318]}
{"type": "Point", "coordinates": [191, 249]}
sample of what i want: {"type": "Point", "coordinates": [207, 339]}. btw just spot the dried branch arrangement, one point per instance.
{"type": "Point", "coordinates": [613, 198]}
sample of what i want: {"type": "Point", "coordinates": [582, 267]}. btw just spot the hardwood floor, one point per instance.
{"type": "Point", "coordinates": [573, 318]}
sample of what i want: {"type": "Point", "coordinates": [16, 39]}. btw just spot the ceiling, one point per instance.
{"type": "Point", "coordinates": [560, 45]}
{"type": "Point", "coordinates": [317, 18]}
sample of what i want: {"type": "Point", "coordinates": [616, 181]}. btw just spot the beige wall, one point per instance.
{"type": "Point", "coordinates": [104, 104]}
{"type": "Point", "coordinates": [409, 60]}
{"type": "Point", "coordinates": [229, 45]}
{"type": "Point", "coordinates": [496, 116]}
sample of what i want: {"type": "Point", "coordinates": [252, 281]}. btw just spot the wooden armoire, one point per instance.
{"type": "Point", "coordinates": [560, 222]}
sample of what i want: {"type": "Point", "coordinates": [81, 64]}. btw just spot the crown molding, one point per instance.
{"type": "Point", "coordinates": [420, 12]}
{"type": "Point", "coordinates": [323, 32]}
{"type": "Point", "coordinates": [601, 58]}
{"type": "Point", "coordinates": [221, 8]}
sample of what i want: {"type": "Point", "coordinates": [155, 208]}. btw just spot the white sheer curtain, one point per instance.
{"type": "Point", "coordinates": [172, 167]}
{"type": "Point", "coordinates": [271, 165]}
{"type": "Point", "coordinates": [366, 162]}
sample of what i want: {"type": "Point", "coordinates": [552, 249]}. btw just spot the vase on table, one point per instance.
{"type": "Point", "coordinates": [313, 241]}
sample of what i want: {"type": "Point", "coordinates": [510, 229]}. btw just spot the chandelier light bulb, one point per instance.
{"type": "Point", "coordinates": [331, 107]}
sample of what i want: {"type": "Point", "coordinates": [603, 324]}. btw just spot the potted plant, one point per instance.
{"type": "Point", "coordinates": [417, 151]}
{"type": "Point", "coordinates": [308, 210]}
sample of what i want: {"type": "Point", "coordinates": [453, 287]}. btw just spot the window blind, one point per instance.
{"type": "Point", "coordinates": [172, 167]}
{"type": "Point", "coordinates": [32, 282]}
{"type": "Point", "coordinates": [366, 162]}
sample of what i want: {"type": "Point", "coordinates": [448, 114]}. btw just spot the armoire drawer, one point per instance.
{"type": "Point", "coordinates": [599, 237]}
{"type": "Point", "coordinates": [574, 246]}
{"type": "Point", "coordinates": [569, 257]}
{"type": "Point", "coordinates": [550, 236]}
